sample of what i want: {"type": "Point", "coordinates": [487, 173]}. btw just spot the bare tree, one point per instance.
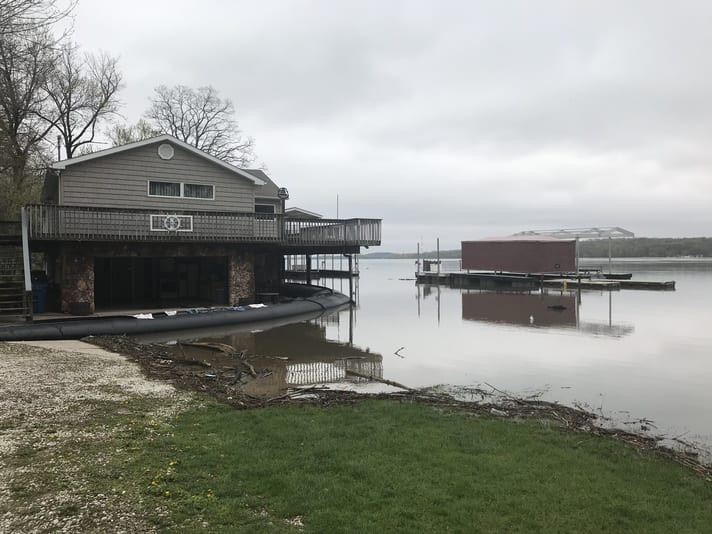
{"type": "Point", "coordinates": [27, 44]}
{"type": "Point", "coordinates": [84, 90]}
{"type": "Point", "coordinates": [122, 134]}
{"type": "Point", "coordinates": [25, 65]}
{"type": "Point", "coordinates": [201, 118]}
{"type": "Point", "coordinates": [23, 17]}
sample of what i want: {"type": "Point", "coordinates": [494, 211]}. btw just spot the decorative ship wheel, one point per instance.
{"type": "Point", "coordinates": [171, 223]}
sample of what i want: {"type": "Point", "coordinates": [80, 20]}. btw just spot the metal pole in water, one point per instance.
{"type": "Point", "coordinates": [351, 324]}
{"type": "Point", "coordinates": [418, 285]}
{"type": "Point", "coordinates": [417, 261]}
{"type": "Point", "coordinates": [577, 258]}
{"type": "Point", "coordinates": [438, 255]}
{"type": "Point", "coordinates": [351, 278]}
{"type": "Point", "coordinates": [609, 254]}
{"type": "Point", "coordinates": [578, 272]}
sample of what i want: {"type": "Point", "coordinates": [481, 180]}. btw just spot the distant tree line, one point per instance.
{"type": "Point", "coordinates": [57, 101]}
{"type": "Point", "coordinates": [648, 247]}
{"type": "Point", "coordinates": [637, 247]}
{"type": "Point", "coordinates": [432, 254]}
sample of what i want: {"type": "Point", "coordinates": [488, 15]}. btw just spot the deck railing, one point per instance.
{"type": "Point", "coordinates": [365, 232]}
{"type": "Point", "coordinates": [55, 222]}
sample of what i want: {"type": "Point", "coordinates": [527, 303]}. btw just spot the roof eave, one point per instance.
{"type": "Point", "coordinates": [61, 165]}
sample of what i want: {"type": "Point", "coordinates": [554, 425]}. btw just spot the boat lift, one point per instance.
{"type": "Point", "coordinates": [601, 232]}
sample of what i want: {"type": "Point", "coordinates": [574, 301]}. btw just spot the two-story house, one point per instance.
{"type": "Point", "coordinates": [161, 223]}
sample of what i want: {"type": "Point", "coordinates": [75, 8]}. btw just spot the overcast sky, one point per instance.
{"type": "Point", "coordinates": [456, 120]}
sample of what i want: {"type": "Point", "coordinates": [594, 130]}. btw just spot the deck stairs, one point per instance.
{"type": "Point", "coordinates": [14, 303]}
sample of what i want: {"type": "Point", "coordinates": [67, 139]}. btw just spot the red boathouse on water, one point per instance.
{"type": "Point", "coordinates": [520, 254]}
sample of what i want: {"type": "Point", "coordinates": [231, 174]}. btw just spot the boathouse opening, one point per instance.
{"type": "Point", "coordinates": [124, 282]}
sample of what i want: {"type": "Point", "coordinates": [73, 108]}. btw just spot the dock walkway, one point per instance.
{"type": "Point", "coordinates": [520, 281]}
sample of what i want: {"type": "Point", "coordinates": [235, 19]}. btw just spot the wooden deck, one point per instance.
{"type": "Point", "coordinates": [79, 223]}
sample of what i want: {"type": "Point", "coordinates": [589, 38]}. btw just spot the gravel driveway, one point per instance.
{"type": "Point", "coordinates": [58, 399]}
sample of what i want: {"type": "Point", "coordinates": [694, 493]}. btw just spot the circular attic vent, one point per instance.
{"type": "Point", "coordinates": [165, 151]}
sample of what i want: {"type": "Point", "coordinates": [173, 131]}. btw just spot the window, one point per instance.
{"type": "Point", "coordinates": [198, 191]}
{"type": "Point", "coordinates": [264, 211]}
{"type": "Point", "coordinates": [264, 208]}
{"type": "Point", "coordinates": [164, 189]}
{"type": "Point", "coordinates": [181, 190]}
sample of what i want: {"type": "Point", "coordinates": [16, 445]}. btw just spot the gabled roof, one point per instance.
{"type": "Point", "coordinates": [158, 139]}
{"type": "Point", "coordinates": [269, 189]}
{"type": "Point", "coordinates": [301, 213]}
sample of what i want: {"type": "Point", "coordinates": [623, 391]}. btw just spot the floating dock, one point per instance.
{"type": "Point", "coordinates": [316, 274]}
{"type": "Point", "coordinates": [526, 282]}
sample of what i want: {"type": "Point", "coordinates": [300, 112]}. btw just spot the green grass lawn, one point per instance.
{"type": "Point", "coordinates": [387, 466]}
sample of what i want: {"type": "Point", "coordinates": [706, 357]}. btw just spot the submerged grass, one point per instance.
{"type": "Point", "coordinates": [393, 466]}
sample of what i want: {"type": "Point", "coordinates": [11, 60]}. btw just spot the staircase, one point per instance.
{"type": "Point", "coordinates": [14, 304]}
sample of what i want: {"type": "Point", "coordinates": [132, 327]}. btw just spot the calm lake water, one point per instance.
{"type": "Point", "coordinates": [628, 354]}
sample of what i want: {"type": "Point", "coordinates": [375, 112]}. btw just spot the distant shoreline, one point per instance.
{"type": "Point", "coordinates": [686, 248]}
{"type": "Point", "coordinates": [619, 259]}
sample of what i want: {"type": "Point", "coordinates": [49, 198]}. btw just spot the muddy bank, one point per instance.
{"type": "Point", "coordinates": [233, 378]}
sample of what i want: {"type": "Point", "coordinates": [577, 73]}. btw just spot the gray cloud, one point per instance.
{"type": "Point", "coordinates": [457, 119]}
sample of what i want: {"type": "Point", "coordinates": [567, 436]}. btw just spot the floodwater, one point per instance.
{"type": "Point", "coordinates": [631, 354]}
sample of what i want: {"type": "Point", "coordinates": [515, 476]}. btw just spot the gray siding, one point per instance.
{"type": "Point", "coordinates": [121, 181]}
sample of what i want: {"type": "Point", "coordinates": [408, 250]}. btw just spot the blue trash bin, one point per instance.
{"type": "Point", "coordinates": [39, 297]}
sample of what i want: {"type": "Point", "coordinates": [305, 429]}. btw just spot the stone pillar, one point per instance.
{"type": "Point", "coordinates": [77, 283]}
{"type": "Point", "coordinates": [241, 277]}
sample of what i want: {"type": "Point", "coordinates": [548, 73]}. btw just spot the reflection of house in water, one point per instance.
{"type": "Point", "coordinates": [520, 308]}
{"type": "Point", "coordinates": [301, 354]}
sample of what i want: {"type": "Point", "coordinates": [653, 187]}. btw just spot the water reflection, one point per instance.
{"type": "Point", "coordinates": [522, 309]}
{"type": "Point", "coordinates": [286, 353]}
{"type": "Point", "coordinates": [533, 309]}
{"type": "Point", "coordinates": [659, 369]}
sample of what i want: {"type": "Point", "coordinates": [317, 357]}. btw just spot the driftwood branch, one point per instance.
{"type": "Point", "coordinates": [249, 368]}
{"type": "Point", "coordinates": [222, 347]}
{"type": "Point", "coordinates": [376, 379]}
{"type": "Point", "coordinates": [510, 397]}
{"type": "Point", "coordinates": [291, 394]}
{"type": "Point", "coordinates": [184, 361]}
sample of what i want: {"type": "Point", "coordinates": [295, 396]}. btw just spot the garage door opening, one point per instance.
{"type": "Point", "coordinates": [160, 282]}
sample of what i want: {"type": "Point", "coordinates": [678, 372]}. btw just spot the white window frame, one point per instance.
{"type": "Point", "coordinates": [182, 189]}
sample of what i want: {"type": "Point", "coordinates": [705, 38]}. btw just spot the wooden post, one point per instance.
{"type": "Point", "coordinates": [308, 258]}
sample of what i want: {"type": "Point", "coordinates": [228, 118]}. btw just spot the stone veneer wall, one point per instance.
{"type": "Point", "coordinates": [77, 281]}
{"type": "Point", "coordinates": [241, 277]}
{"type": "Point", "coordinates": [77, 277]}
